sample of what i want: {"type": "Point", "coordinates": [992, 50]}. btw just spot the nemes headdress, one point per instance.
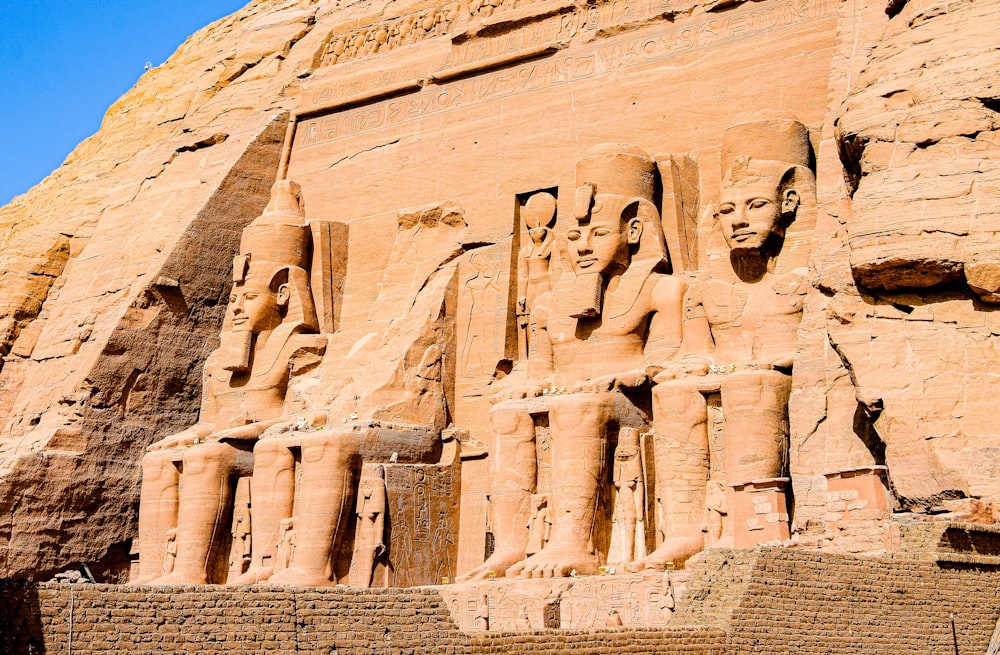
{"type": "Point", "coordinates": [766, 149]}
{"type": "Point", "coordinates": [278, 242]}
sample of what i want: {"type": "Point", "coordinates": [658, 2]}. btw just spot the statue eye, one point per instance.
{"type": "Point", "coordinates": [603, 232]}
{"type": "Point", "coordinates": [758, 203]}
{"type": "Point", "coordinates": [727, 208]}
{"type": "Point", "coordinates": [232, 300]}
{"type": "Point", "coordinates": [250, 296]}
{"type": "Point", "coordinates": [573, 235]}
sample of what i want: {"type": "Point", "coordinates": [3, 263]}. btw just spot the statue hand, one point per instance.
{"type": "Point", "coordinates": [185, 438]}
{"type": "Point", "coordinates": [681, 368]}
{"type": "Point", "coordinates": [300, 421]}
{"type": "Point", "coordinates": [527, 390]}
{"type": "Point", "coordinates": [625, 379]}
{"type": "Point", "coordinates": [777, 362]}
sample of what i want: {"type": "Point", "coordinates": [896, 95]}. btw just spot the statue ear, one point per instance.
{"type": "Point", "coordinates": [633, 216]}
{"type": "Point", "coordinates": [282, 295]}
{"type": "Point", "coordinates": [789, 201]}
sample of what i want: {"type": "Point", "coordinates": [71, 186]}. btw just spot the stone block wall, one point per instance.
{"type": "Point", "coordinates": [213, 620]}
{"type": "Point", "coordinates": [762, 601]}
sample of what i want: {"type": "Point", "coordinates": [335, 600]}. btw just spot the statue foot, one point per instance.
{"type": "Point", "coordinates": [677, 550]}
{"type": "Point", "coordinates": [498, 562]}
{"type": "Point", "coordinates": [253, 575]}
{"type": "Point", "coordinates": [175, 579]}
{"type": "Point", "coordinates": [556, 562]}
{"type": "Point", "coordinates": [299, 578]}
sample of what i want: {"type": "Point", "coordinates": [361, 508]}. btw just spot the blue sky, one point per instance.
{"type": "Point", "coordinates": [64, 62]}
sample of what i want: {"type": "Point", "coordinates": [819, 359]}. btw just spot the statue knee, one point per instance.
{"type": "Point", "coordinates": [157, 464]}
{"type": "Point", "coordinates": [338, 447]}
{"type": "Point", "coordinates": [510, 419]}
{"type": "Point", "coordinates": [678, 397]}
{"type": "Point", "coordinates": [208, 458]}
{"type": "Point", "coordinates": [271, 453]}
{"type": "Point", "coordinates": [587, 413]}
{"type": "Point", "coordinates": [762, 389]}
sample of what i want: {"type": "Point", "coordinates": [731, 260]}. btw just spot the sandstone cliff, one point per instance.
{"type": "Point", "coordinates": [115, 268]}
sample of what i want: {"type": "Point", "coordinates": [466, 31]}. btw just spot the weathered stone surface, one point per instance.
{"type": "Point", "coordinates": [836, 375]}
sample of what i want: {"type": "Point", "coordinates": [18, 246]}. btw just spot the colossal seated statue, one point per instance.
{"type": "Point", "coordinates": [752, 296]}
{"type": "Point", "coordinates": [268, 336]}
{"type": "Point", "coordinates": [593, 338]}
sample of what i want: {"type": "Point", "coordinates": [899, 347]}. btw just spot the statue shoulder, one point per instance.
{"type": "Point", "coordinates": [305, 351]}
{"type": "Point", "coordinates": [667, 289]}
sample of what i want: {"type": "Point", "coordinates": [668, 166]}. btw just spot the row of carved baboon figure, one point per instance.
{"type": "Point", "coordinates": [678, 383]}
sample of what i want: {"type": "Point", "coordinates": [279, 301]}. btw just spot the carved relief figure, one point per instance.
{"type": "Point", "coordinates": [267, 338]}
{"type": "Point", "coordinates": [241, 539]}
{"type": "Point", "coordinates": [170, 551]}
{"type": "Point", "coordinates": [534, 259]}
{"type": "Point", "coordinates": [369, 542]}
{"type": "Point", "coordinates": [608, 319]}
{"type": "Point", "coordinates": [481, 322]}
{"type": "Point", "coordinates": [753, 306]}
{"type": "Point", "coordinates": [628, 534]}
{"type": "Point", "coordinates": [540, 525]}
{"type": "Point", "coordinates": [483, 613]}
{"type": "Point", "coordinates": [286, 544]}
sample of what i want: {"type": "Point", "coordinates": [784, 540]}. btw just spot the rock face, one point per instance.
{"type": "Point", "coordinates": [790, 336]}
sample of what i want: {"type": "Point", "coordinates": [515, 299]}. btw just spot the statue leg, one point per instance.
{"type": "Point", "coordinates": [272, 492]}
{"type": "Point", "coordinates": [363, 557]}
{"type": "Point", "coordinates": [157, 511]}
{"type": "Point", "coordinates": [578, 424]}
{"type": "Point", "coordinates": [329, 462]}
{"type": "Point", "coordinates": [513, 470]}
{"type": "Point", "coordinates": [205, 499]}
{"type": "Point", "coordinates": [755, 406]}
{"type": "Point", "coordinates": [681, 464]}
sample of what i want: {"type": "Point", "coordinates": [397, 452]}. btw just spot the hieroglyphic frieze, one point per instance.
{"type": "Point", "coordinates": [603, 56]}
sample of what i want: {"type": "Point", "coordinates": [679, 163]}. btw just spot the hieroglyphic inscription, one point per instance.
{"type": "Point", "coordinates": [387, 35]}
{"type": "Point", "coordinates": [637, 599]}
{"type": "Point", "coordinates": [423, 523]}
{"type": "Point", "coordinates": [606, 55]}
{"type": "Point", "coordinates": [640, 599]}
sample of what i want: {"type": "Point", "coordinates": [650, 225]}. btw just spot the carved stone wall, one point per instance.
{"type": "Point", "coordinates": [419, 133]}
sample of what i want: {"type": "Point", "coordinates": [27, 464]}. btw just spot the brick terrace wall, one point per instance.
{"type": "Point", "coordinates": [764, 601]}
{"type": "Point", "coordinates": [109, 619]}
{"type": "Point", "coordinates": [811, 603]}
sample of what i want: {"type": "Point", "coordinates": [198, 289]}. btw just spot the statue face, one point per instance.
{"type": "Point", "coordinates": [255, 308]}
{"type": "Point", "coordinates": [538, 235]}
{"type": "Point", "coordinates": [602, 245]}
{"type": "Point", "coordinates": [750, 214]}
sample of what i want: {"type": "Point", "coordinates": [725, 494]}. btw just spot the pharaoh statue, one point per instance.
{"type": "Point", "coordinates": [268, 336]}
{"type": "Point", "coordinates": [628, 534]}
{"type": "Point", "coordinates": [534, 259]}
{"type": "Point", "coordinates": [752, 297]}
{"type": "Point", "coordinates": [610, 317]}
{"type": "Point", "coordinates": [369, 542]}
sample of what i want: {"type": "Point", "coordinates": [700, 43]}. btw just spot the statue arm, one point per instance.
{"type": "Point", "coordinates": [207, 417]}
{"type": "Point", "coordinates": [540, 367]}
{"type": "Point", "coordinates": [522, 281]}
{"type": "Point", "coordinates": [694, 355]}
{"type": "Point", "coordinates": [665, 331]}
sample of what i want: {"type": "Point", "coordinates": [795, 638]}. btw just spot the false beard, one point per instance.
{"type": "Point", "coordinates": [235, 351]}
{"type": "Point", "coordinates": [587, 296]}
